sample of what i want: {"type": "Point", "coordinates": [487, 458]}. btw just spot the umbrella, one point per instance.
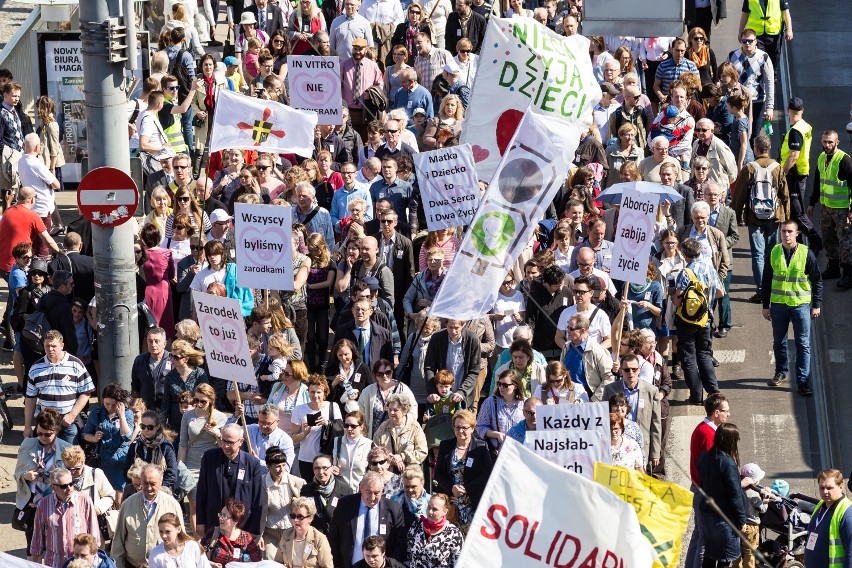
{"type": "Point", "coordinates": [612, 194]}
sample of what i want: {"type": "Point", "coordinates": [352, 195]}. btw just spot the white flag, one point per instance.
{"type": "Point", "coordinates": [534, 513]}
{"type": "Point", "coordinates": [525, 183]}
{"type": "Point", "coordinates": [247, 123]}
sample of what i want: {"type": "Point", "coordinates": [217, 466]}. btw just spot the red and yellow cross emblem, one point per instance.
{"type": "Point", "coordinates": [261, 129]}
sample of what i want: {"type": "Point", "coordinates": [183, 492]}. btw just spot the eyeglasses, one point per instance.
{"type": "Point", "coordinates": [150, 427]}
{"type": "Point", "coordinates": [556, 380]}
{"type": "Point", "coordinates": [195, 247]}
{"type": "Point", "coordinates": [505, 385]}
{"type": "Point", "coordinates": [321, 467]}
{"type": "Point", "coordinates": [350, 426]}
{"type": "Point", "coordinates": [387, 221]}
{"type": "Point", "coordinates": [175, 355]}
{"type": "Point", "coordinates": [384, 373]}
{"type": "Point", "coordinates": [27, 256]}
{"type": "Point", "coordinates": [585, 264]}
{"type": "Point", "coordinates": [277, 40]}
{"type": "Point", "coordinates": [661, 149]}
{"type": "Point", "coordinates": [76, 469]}
{"type": "Point", "coordinates": [201, 401]}
{"type": "Point", "coordinates": [348, 173]}
{"type": "Point", "coordinates": [45, 434]}
{"type": "Point", "coordinates": [230, 442]}
{"type": "Point", "coordinates": [172, 88]}
{"type": "Point", "coordinates": [62, 485]}
{"type": "Point", "coordinates": [378, 463]}
{"type": "Point", "coordinates": [702, 168]}
{"type": "Point", "coordinates": [296, 517]}
{"type": "Point", "coordinates": [508, 282]}
{"type": "Point", "coordinates": [225, 516]}
{"type": "Point", "coordinates": [581, 292]}
{"type": "Point", "coordinates": [702, 129]}
{"type": "Point", "coordinates": [747, 41]}
{"type": "Point", "coordinates": [184, 199]}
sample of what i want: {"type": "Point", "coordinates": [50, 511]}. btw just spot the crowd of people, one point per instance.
{"type": "Point", "coordinates": [373, 427]}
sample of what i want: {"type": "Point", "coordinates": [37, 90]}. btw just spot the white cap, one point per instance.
{"type": "Point", "coordinates": [452, 67]}
{"type": "Point", "coordinates": [219, 215]}
{"type": "Point", "coordinates": [165, 153]}
{"type": "Point", "coordinates": [753, 471]}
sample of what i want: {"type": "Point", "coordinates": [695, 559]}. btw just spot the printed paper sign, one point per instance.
{"type": "Point", "coordinates": [535, 514]}
{"type": "Point", "coordinates": [314, 84]}
{"type": "Point", "coordinates": [264, 246]}
{"type": "Point", "coordinates": [574, 436]}
{"type": "Point", "coordinates": [224, 332]}
{"type": "Point", "coordinates": [448, 186]}
{"type": "Point", "coordinates": [634, 236]}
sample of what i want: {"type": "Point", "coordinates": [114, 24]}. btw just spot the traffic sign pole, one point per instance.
{"type": "Point", "coordinates": [112, 243]}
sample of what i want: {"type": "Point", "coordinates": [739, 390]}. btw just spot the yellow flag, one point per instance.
{"type": "Point", "coordinates": [662, 508]}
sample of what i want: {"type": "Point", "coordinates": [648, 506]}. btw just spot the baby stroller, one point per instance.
{"type": "Point", "coordinates": [786, 518]}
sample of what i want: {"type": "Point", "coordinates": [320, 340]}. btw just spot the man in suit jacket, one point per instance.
{"type": "Point", "coordinates": [723, 217]}
{"type": "Point", "coordinates": [229, 472]}
{"type": "Point", "coordinates": [643, 399]}
{"type": "Point", "coordinates": [269, 16]}
{"type": "Point", "coordinates": [82, 267]}
{"type": "Point", "coordinates": [365, 514]}
{"type": "Point", "coordinates": [373, 227]}
{"type": "Point", "coordinates": [326, 492]}
{"type": "Point", "coordinates": [377, 343]}
{"type": "Point", "coordinates": [397, 251]}
{"type": "Point", "coordinates": [723, 163]}
{"type": "Point", "coordinates": [444, 348]}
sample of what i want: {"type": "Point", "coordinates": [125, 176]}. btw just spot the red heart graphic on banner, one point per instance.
{"type": "Point", "coordinates": [635, 224]}
{"type": "Point", "coordinates": [309, 87]}
{"type": "Point", "coordinates": [507, 124]}
{"type": "Point", "coordinates": [222, 334]}
{"type": "Point", "coordinates": [271, 235]}
{"type": "Point", "coordinates": [480, 153]}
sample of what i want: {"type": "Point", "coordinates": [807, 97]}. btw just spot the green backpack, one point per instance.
{"type": "Point", "coordinates": [694, 307]}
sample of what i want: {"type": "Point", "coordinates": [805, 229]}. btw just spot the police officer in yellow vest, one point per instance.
{"type": "Point", "coordinates": [171, 112]}
{"type": "Point", "coordinates": [792, 292]}
{"type": "Point", "coordinates": [767, 18]}
{"type": "Point", "coordinates": [795, 165]}
{"type": "Point", "coordinates": [831, 190]}
{"type": "Point", "coordinates": [829, 543]}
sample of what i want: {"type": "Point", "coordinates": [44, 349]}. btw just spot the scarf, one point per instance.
{"type": "Point", "coordinates": [154, 445]}
{"type": "Point", "coordinates": [527, 374]}
{"type": "Point", "coordinates": [700, 57]}
{"type": "Point", "coordinates": [325, 490]}
{"type": "Point", "coordinates": [433, 283]}
{"type": "Point", "coordinates": [416, 505]}
{"type": "Point", "coordinates": [210, 87]}
{"type": "Point", "coordinates": [432, 528]}
{"type": "Point", "coordinates": [640, 289]}
{"type": "Point", "coordinates": [410, 34]}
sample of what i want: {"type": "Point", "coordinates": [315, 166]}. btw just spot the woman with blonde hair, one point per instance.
{"type": "Point", "coordinates": [185, 202]}
{"type": "Point", "coordinates": [622, 150]}
{"type": "Point", "coordinates": [200, 430]}
{"type": "Point", "coordinates": [161, 209]}
{"type": "Point", "coordinates": [303, 545]}
{"type": "Point", "coordinates": [48, 132]}
{"type": "Point", "coordinates": [303, 23]}
{"type": "Point", "coordinates": [560, 388]}
{"type": "Point", "coordinates": [191, 40]}
{"type": "Point", "coordinates": [283, 325]}
{"type": "Point", "coordinates": [186, 375]}
{"type": "Point", "coordinates": [698, 51]}
{"type": "Point", "coordinates": [289, 392]}
{"type": "Point", "coordinates": [450, 118]}
{"type": "Point", "coordinates": [177, 548]}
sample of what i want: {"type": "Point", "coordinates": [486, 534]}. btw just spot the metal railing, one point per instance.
{"type": "Point", "coordinates": [17, 56]}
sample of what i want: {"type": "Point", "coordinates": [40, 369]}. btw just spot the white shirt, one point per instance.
{"type": "Point", "coordinates": [149, 125]}
{"type": "Point", "coordinates": [35, 174]}
{"type": "Point", "coordinates": [610, 287]}
{"type": "Point", "coordinates": [357, 553]}
{"type": "Point", "coordinates": [508, 306]}
{"type": "Point", "coordinates": [382, 11]}
{"type": "Point", "coordinates": [468, 70]}
{"type": "Point", "coordinates": [599, 328]}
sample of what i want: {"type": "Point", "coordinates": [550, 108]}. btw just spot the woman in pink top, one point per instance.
{"type": "Point", "coordinates": [444, 239]}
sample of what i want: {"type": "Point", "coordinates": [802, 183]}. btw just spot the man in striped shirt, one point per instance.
{"type": "Point", "coordinates": [60, 381]}
{"type": "Point", "coordinates": [59, 516]}
{"type": "Point", "coordinates": [672, 68]}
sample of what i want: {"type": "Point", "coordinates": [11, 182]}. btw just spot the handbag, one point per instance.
{"type": "Point", "coordinates": [331, 431]}
{"type": "Point", "coordinates": [22, 519]}
{"type": "Point", "coordinates": [92, 451]}
{"type": "Point", "coordinates": [228, 49]}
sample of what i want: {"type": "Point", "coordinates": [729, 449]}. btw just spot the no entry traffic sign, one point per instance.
{"type": "Point", "coordinates": [107, 197]}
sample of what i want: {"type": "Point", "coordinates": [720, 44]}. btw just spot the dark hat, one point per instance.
{"type": "Point", "coordinates": [60, 277]}
{"type": "Point", "coordinates": [598, 283]}
{"type": "Point", "coordinates": [796, 104]}
{"type": "Point", "coordinates": [38, 265]}
{"type": "Point", "coordinates": [274, 456]}
{"type": "Point", "coordinates": [607, 87]}
{"type": "Point", "coordinates": [371, 282]}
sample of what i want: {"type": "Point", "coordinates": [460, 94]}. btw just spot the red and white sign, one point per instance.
{"type": "Point", "coordinates": [107, 197]}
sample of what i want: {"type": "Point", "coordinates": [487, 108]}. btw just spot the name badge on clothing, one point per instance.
{"type": "Point", "coordinates": [383, 528]}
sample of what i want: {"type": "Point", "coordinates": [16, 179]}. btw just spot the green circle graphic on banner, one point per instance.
{"type": "Point", "coordinates": [492, 232]}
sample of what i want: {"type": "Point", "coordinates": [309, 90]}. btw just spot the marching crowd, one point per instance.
{"type": "Point", "coordinates": [373, 427]}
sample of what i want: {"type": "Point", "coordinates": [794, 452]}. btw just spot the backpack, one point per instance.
{"type": "Point", "coordinates": [694, 305]}
{"type": "Point", "coordinates": [181, 73]}
{"type": "Point", "coordinates": [764, 196]}
{"type": "Point", "coordinates": [35, 328]}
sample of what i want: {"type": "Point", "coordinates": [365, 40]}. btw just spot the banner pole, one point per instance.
{"type": "Point", "coordinates": [243, 416]}
{"type": "Point", "coordinates": [619, 326]}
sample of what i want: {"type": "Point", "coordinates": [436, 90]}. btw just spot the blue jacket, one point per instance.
{"type": "Point", "coordinates": [106, 561]}
{"type": "Point", "coordinates": [418, 98]}
{"type": "Point", "coordinates": [720, 479]}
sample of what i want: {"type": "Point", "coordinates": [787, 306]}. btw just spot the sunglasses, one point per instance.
{"type": "Point", "coordinates": [195, 247]}
{"type": "Point", "coordinates": [508, 282]}
{"type": "Point", "coordinates": [351, 426]}
{"type": "Point", "coordinates": [45, 434]}
{"type": "Point", "coordinates": [464, 51]}
{"type": "Point", "coordinates": [505, 385]}
{"type": "Point", "coordinates": [173, 88]}
{"type": "Point", "coordinates": [387, 221]}
{"type": "Point", "coordinates": [699, 39]}
{"type": "Point", "coordinates": [702, 130]}
{"type": "Point", "coordinates": [378, 463]}
{"type": "Point", "coordinates": [390, 131]}
{"type": "Point", "coordinates": [384, 373]}
{"type": "Point", "coordinates": [181, 167]}
{"type": "Point", "coordinates": [62, 485]}
{"type": "Point", "coordinates": [201, 401]}
{"type": "Point", "coordinates": [581, 292]}
{"type": "Point", "coordinates": [149, 427]}
{"type": "Point", "coordinates": [630, 370]}
{"type": "Point", "coordinates": [747, 41]}
{"type": "Point", "coordinates": [183, 199]}
{"type": "Point", "coordinates": [262, 168]}
{"type": "Point", "coordinates": [348, 173]}
{"type": "Point", "coordinates": [296, 517]}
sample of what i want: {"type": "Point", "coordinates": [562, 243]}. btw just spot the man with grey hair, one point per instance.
{"type": "Point", "coordinates": [649, 168]}
{"type": "Point", "coordinates": [723, 164]}
{"type": "Point", "coordinates": [724, 219]}
{"type": "Point", "coordinates": [368, 173]}
{"type": "Point", "coordinates": [612, 74]}
{"type": "Point", "coordinates": [148, 374]}
{"type": "Point", "coordinates": [308, 212]}
{"type": "Point", "coordinates": [359, 516]}
{"type": "Point", "coordinates": [136, 532]}
{"type": "Point", "coordinates": [226, 472]}
{"type": "Point", "coordinates": [266, 433]}
{"type": "Point", "coordinates": [35, 174]}
{"type": "Point", "coordinates": [60, 516]}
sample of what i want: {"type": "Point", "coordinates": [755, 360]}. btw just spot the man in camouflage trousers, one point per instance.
{"type": "Point", "coordinates": [831, 190]}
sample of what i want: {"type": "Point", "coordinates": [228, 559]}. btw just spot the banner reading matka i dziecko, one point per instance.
{"type": "Point", "coordinates": [449, 187]}
{"type": "Point", "coordinates": [524, 64]}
